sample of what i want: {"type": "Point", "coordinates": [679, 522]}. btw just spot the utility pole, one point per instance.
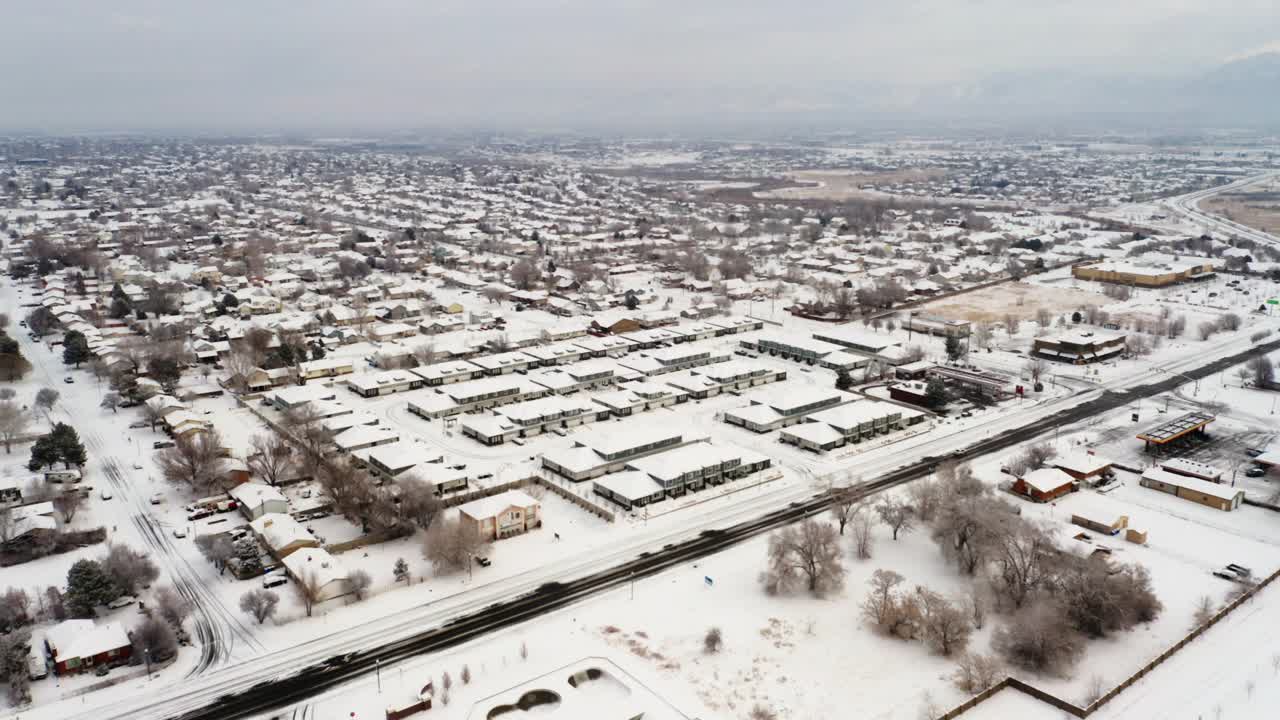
{"type": "Point", "coordinates": [633, 584]}
{"type": "Point", "coordinates": [377, 668]}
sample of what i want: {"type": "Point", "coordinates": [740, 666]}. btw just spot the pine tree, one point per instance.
{"type": "Point", "coordinates": [75, 348]}
{"type": "Point", "coordinates": [844, 381]}
{"type": "Point", "coordinates": [935, 393]}
{"type": "Point", "coordinates": [119, 308]}
{"type": "Point", "coordinates": [44, 453]}
{"type": "Point", "coordinates": [87, 587]}
{"type": "Point", "coordinates": [954, 349]}
{"type": "Point", "coordinates": [67, 445]}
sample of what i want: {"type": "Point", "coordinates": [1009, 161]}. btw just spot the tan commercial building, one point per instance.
{"type": "Point", "coordinates": [1127, 273]}
{"type": "Point", "coordinates": [1221, 497]}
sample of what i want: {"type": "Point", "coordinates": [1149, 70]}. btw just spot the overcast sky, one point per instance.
{"type": "Point", "coordinates": [285, 64]}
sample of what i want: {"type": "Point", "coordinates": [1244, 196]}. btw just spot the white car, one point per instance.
{"type": "Point", "coordinates": [179, 532]}
{"type": "Point", "coordinates": [105, 494]}
{"type": "Point", "coordinates": [157, 499]}
{"type": "Point", "coordinates": [122, 601]}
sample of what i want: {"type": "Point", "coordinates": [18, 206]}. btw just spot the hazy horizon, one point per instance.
{"type": "Point", "coordinates": [392, 64]}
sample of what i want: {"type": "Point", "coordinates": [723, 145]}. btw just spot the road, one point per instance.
{"type": "Point", "coordinates": [217, 628]}
{"type": "Point", "coordinates": [1188, 206]}
{"type": "Point", "coordinates": [279, 680]}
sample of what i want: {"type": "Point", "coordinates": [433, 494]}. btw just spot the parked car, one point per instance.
{"type": "Point", "coordinates": [1256, 471]}
{"type": "Point", "coordinates": [138, 425]}
{"type": "Point", "coordinates": [274, 580]}
{"type": "Point", "coordinates": [68, 380]}
{"type": "Point", "coordinates": [162, 444]}
{"type": "Point", "coordinates": [180, 532]}
{"type": "Point", "coordinates": [122, 601]}
{"type": "Point", "coordinates": [237, 533]}
{"type": "Point", "coordinates": [157, 499]}
{"type": "Point", "coordinates": [200, 514]}
{"type": "Point", "coordinates": [483, 561]}
{"type": "Point", "coordinates": [105, 494]}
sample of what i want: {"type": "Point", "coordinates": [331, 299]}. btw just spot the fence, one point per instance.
{"type": "Point", "coordinates": [118, 678]}
{"type": "Point", "coordinates": [1076, 710]}
{"type": "Point", "coordinates": [582, 502]}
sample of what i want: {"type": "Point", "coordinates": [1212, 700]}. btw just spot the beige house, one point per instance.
{"type": "Point", "coordinates": [513, 512]}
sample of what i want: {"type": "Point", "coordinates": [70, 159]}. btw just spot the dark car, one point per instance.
{"type": "Point", "coordinates": [162, 444]}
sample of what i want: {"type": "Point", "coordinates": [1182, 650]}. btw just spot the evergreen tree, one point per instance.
{"type": "Point", "coordinates": [230, 300]}
{"type": "Point", "coordinates": [44, 453]}
{"type": "Point", "coordinates": [844, 381]}
{"type": "Point", "coordinates": [119, 308]}
{"type": "Point", "coordinates": [75, 348]}
{"type": "Point", "coordinates": [87, 587]}
{"type": "Point", "coordinates": [117, 293]}
{"type": "Point", "coordinates": [954, 349]}
{"type": "Point", "coordinates": [935, 394]}
{"type": "Point", "coordinates": [66, 442]}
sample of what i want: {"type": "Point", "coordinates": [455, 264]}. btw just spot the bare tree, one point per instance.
{"type": "Point", "coordinates": [897, 515]}
{"type": "Point", "coordinates": [1024, 555]}
{"type": "Point", "coordinates": [1229, 321]}
{"type": "Point", "coordinates": [807, 554]}
{"type": "Point", "coordinates": [172, 606]}
{"type": "Point", "coordinates": [465, 675]}
{"type": "Point", "coordinates": [195, 460]}
{"type": "Point", "coordinates": [1039, 639]}
{"type": "Point", "coordinates": [946, 627]}
{"type": "Point", "coordinates": [892, 612]}
{"type": "Point", "coordinates": [1204, 610]}
{"type": "Point", "coordinates": [111, 401]}
{"type": "Point", "coordinates": [1011, 324]}
{"type": "Point", "coordinates": [271, 458]}
{"type": "Point", "coordinates": [976, 672]}
{"type": "Point", "coordinates": [879, 603]}
{"type": "Point", "coordinates": [259, 603]}
{"type": "Point", "coordinates": [128, 568]}
{"type": "Point", "coordinates": [450, 546]}
{"type": "Point", "coordinates": [843, 510]}
{"type": "Point", "coordinates": [46, 398]}
{"type": "Point", "coordinates": [925, 499]}
{"type": "Point", "coordinates": [13, 423]}
{"type": "Point", "coordinates": [712, 641]}
{"type": "Point", "coordinates": [310, 589]}
{"type": "Point", "coordinates": [419, 502]}
{"type": "Point", "coordinates": [68, 504]}
{"type": "Point", "coordinates": [359, 581]}
{"type": "Point", "coordinates": [863, 539]}
{"type": "Point", "coordinates": [982, 335]}
{"type": "Point", "coordinates": [217, 549]}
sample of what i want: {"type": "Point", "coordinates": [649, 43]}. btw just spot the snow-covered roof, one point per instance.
{"type": "Point", "coordinates": [279, 531]}
{"type": "Point", "coordinates": [1047, 479]}
{"type": "Point", "coordinates": [255, 495]}
{"type": "Point", "coordinates": [492, 506]}
{"type": "Point", "coordinates": [73, 639]}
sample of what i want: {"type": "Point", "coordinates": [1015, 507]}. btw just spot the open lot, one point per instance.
{"type": "Point", "coordinates": [842, 184]}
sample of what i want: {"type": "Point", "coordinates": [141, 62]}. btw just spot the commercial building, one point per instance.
{"type": "Point", "coordinates": [1191, 468]}
{"type": "Point", "coordinates": [1221, 497]}
{"type": "Point", "coordinates": [1080, 347]}
{"type": "Point", "coordinates": [936, 325]}
{"type": "Point", "coordinates": [990, 386]}
{"type": "Point", "coordinates": [1175, 431]}
{"type": "Point", "coordinates": [1044, 484]}
{"type": "Point", "coordinates": [1144, 275]}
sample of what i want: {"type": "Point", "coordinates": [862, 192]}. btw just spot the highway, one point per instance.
{"type": "Point", "coordinates": [274, 693]}
{"type": "Point", "coordinates": [1188, 206]}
